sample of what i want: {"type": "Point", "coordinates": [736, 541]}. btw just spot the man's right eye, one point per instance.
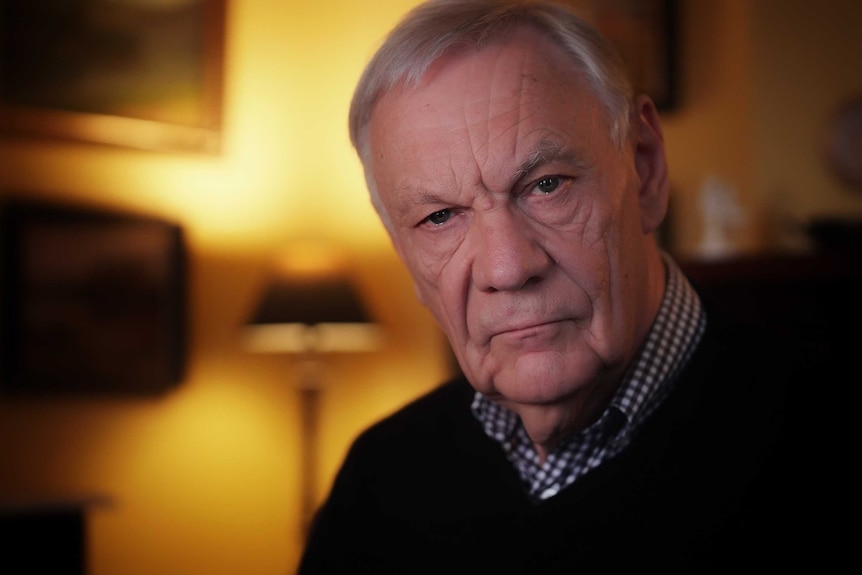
{"type": "Point", "coordinates": [439, 217]}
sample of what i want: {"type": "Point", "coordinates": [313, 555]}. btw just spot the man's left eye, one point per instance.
{"type": "Point", "coordinates": [439, 218]}
{"type": "Point", "coordinates": [547, 185]}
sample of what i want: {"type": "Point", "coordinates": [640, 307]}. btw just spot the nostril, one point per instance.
{"type": "Point", "coordinates": [533, 280]}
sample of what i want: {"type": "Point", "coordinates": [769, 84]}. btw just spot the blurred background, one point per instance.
{"type": "Point", "coordinates": [206, 474]}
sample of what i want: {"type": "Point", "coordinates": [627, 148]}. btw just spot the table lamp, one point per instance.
{"type": "Point", "coordinates": [310, 316]}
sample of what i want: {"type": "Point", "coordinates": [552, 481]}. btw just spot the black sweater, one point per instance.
{"type": "Point", "coordinates": [730, 471]}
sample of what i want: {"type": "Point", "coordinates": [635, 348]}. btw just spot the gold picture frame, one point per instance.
{"type": "Point", "coordinates": [145, 74]}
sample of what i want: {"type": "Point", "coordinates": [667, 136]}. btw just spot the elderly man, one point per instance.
{"type": "Point", "coordinates": [604, 420]}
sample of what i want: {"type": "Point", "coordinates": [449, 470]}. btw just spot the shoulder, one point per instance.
{"type": "Point", "coordinates": [759, 354]}
{"type": "Point", "coordinates": [751, 395]}
{"type": "Point", "coordinates": [423, 441]}
{"type": "Point", "coordinates": [431, 415]}
{"type": "Point", "coordinates": [762, 396]}
{"type": "Point", "coordinates": [429, 446]}
{"type": "Point", "coordinates": [795, 365]}
{"type": "Point", "coordinates": [412, 441]}
{"type": "Point", "coordinates": [756, 372]}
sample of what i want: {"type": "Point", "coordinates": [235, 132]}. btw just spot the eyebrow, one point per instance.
{"type": "Point", "coordinates": [411, 195]}
{"type": "Point", "coordinates": [545, 151]}
{"type": "Point", "coordinates": [408, 197]}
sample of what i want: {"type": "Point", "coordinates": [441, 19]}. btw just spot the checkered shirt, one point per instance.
{"type": "Point", "coordinates": [675, 333]}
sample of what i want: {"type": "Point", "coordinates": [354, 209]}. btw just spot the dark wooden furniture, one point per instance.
{"type": "Point", "coordinates": [817, 295]}
{"type": "Point", "coordinates": [41, 537]}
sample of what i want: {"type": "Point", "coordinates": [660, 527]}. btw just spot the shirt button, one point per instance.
{"type": "Point", "coordinates": [550, 492]}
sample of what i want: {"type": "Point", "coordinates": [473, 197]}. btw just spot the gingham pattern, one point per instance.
{"type": "Point", "coordinates": [674, 335]}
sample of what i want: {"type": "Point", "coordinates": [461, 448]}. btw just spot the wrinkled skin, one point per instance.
{"type": "Point", "coordinates": [527, 230]}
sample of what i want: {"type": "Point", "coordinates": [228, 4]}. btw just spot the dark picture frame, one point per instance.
{"type": "Point", "coordinates": [92, 301]}
{"type": "Point", "coordinates": [644, 32]}
{"type": "Point", "coordinates": [146, 74]}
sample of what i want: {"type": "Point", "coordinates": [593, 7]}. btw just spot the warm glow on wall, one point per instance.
{"type": "Point", "coordinates": [206, 478]}
{"type": "Point", "coordinates": [286, 170]}
{"type": "Point", "coordinates": [213, 466]}
{"type": "Point", "coordinates": [310, 258]}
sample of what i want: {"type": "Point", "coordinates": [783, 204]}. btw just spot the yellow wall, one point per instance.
{"type": "Point", "coordinates": [205, 478]}
{"type": "Point", "coordinates": [807, 56]}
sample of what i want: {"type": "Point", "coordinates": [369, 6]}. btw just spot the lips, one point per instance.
{"type": "Point", "coordinates": [528, 331]}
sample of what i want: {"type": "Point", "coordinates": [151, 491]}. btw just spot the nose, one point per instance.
{"type": "Point", "coordinates": [508, 255]}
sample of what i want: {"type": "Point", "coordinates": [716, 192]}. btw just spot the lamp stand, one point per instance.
{"type": "Point", "coordinates": [310, 390]}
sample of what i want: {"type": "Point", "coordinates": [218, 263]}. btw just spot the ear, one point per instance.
{"type": "Point", "coordinates": [651, 164]}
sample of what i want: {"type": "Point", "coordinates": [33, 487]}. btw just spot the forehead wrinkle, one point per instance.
{"type": "Point", "coordinates": [478, 133]}
{"type": "Point", "coordinates": [500, 100]}
{"type": "Point", "coordinates": [521, 104]}
{"type": "Point", "coordinates": [520, 113]}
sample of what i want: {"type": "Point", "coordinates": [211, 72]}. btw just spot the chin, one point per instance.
{"type": "Point", "coordinates": [545, 378]}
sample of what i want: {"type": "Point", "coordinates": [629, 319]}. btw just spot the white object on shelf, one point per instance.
{"type": "Point", "coordinates": [721, 212]}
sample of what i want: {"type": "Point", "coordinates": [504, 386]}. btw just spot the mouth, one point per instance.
{"type": "Point", "coordinates": [528, 331]}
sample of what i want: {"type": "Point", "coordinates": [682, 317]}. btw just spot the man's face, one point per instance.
{"type": "Point", "coordinates": [519, 220]}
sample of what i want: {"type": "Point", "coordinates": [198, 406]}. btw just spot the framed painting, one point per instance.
{"type": "Point", "coordinates": [644, 32]}
{"type": "Point", "coordinates": [92, 302]}
{"type": "Point", "coordinates": [143, 74]}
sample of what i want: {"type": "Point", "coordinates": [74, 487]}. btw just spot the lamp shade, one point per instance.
{"type": "Point", "coordinates": [323, 314]}
{"type": "Point", "coordinates": [310, 301]}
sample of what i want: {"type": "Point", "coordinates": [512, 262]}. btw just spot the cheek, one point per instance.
{"type": "Point", "coordinates": [450, 307]}
{"type": "Point", "coordinates": [439, 288]}
{"type": "Point", "coordinates": [436, 272]}
{"type": "Point", "coordinates": [427, 283]}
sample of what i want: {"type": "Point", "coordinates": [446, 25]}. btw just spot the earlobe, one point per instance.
{"type": "Point", "coordinates": [651, 164]}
